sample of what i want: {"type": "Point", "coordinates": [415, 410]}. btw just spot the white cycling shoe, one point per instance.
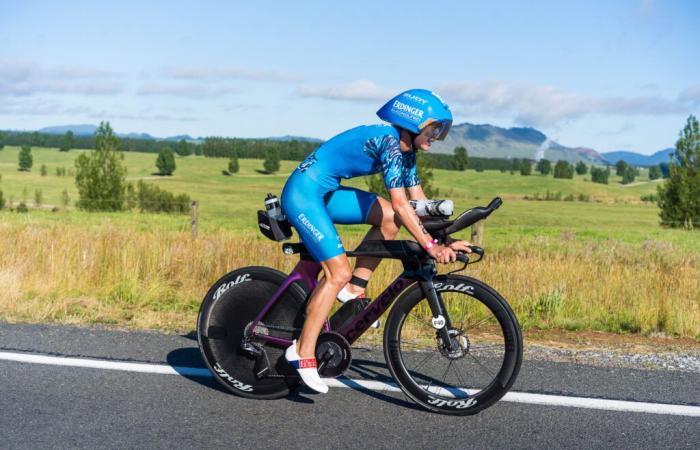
{"type": "Point", "coordinates": [306, 368]}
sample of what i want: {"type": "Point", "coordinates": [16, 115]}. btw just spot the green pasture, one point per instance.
{"type": "Point", "coordinates": [229, 202]}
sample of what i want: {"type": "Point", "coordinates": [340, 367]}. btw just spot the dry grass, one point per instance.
{"type": "Point", "coordinates": [155, 280]}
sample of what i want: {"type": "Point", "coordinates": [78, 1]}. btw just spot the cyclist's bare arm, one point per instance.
{"type": "Point", "coordinates": [416, 193]}
{"type": "Point", "coordinates": [410, 220]}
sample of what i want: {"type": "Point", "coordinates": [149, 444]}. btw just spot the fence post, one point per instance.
{"type": "Point", "coordinates": [478, 234]}
{"type": "Point", "coordinates": [194, 218]}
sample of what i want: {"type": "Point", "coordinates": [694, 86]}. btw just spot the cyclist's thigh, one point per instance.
{"type": "Point", "coordinates": [348, 205]}
{"type": "Point", "coordinates": [302, 202]}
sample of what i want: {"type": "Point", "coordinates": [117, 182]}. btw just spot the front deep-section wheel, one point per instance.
{"type": "Point", "coordinates": [225, 323]}
{"type": "Point", "coordinates": [477, 369]}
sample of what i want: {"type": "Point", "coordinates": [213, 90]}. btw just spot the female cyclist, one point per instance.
{"type": "Point", "coordinates": [313, 200]}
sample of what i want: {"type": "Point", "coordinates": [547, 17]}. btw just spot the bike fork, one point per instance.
{"type": "Point", "coordinates": [440, 320]}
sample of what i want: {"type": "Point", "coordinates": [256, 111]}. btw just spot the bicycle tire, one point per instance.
{"type": "Point", "coordinates": [494, 340]}
{"type": "Point", "coordinates": [230, 305]}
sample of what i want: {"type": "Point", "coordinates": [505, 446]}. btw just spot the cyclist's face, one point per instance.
{"type": "Point", "coordinates": [426, 137]}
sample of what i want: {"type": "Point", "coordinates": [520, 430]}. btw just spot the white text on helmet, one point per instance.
{"type": "Point", "coordinates": [410, 109]}
{"type": "Point", "coordinates": [415, 98]}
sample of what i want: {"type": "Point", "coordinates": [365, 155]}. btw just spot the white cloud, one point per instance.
{"type": "Point", "coordinates": [40, 107]}
{"type": "Point", "coordinates": [691, 95]}
{"type": "Point", "coordinates": [360, 90]}
{"type": "Point", "coordinates": [228, 73]}
{"type": "Point", "coordinates": [192, 91]}
{"type": "Point", "coordinates": [543, 105]}
{"type": "Point", "coordinates": [22, 78]}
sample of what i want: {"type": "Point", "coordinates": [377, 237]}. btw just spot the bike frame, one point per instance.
{"type": "Point", "coordinates": [307, 272]}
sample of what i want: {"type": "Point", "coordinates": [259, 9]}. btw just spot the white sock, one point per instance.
{"type": "Point", "coordinates": [344, 295]}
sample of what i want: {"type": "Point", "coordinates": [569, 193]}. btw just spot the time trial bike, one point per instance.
{"type": "Point", "coordinates": [451, 342]}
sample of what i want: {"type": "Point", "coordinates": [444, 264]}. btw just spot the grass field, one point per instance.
{"type": "Point", "coordinates": [602, 265]}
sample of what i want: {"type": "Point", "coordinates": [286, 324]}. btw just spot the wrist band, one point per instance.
{"type": "Point", "coordinates": [430, 244]}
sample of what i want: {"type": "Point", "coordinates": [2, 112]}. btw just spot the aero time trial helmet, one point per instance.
{"type": "Point", "coordinates": [415, 109]}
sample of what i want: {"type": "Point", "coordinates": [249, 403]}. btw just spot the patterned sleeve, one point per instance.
{"type": "Point", "coordinates": [392, 162]}
{"type": "Point", "coordinates": [410, 176]}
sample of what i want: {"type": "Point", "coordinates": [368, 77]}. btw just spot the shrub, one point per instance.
{"type": "Point", "coordinates": [525, 167]}
{"type": "Point", "coordinates": [38, 197]}
{"type": "Point", "coordinates": [600, 175]}
{"type": "Point", "coordinates": [153, 199]}
{"type": "Point", "coordinates": [272, 161]}
{"type": "Point", "coordinates": [581, 168]}
{"type": "Point", "coordinates": [544, 166]}
{"type": "Point", "coordinates": [620, 167]}
{"type": "Point", "coordinates": [22, 208]}
{"type": "Point", "coordinates": [44, 170]}
{"type": "Point", "coordinates": [2, 200]}
{"type": "Point", "coordinates": [65, 199]}
{"type": "Point", "coordinates": [562, 169]}
{"type": "Point", "coordinates": [628, 175]}
{"type": "Point", "coordinates": [233, 165]}
{"type": "Point", "coordinates": [25, 159]}
{"type": "Point", "coordinates": [165, 162]}
{"type": "Point", "coordinates": [654, 172]}
{"type": "Point", "coordinates": [459, 162]}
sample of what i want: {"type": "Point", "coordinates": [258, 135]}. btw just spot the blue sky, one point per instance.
{"type": "Point", "coordinates": [603, 74]}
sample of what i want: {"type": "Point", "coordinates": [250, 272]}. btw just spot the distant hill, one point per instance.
{"type": "Point", "coordinates": [635, 159]}
{"type": "Point", "coordinates": [89, 130]}
{"type": "Point", "coordinates": [489, 141]}
{"type": "Point", "coordinates": [78, 130]}
{"type": "Point", "coordinates": [295, 138]}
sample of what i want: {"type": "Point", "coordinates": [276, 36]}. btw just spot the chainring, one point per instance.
{"type": "Point", "coordinates": [333, 354]}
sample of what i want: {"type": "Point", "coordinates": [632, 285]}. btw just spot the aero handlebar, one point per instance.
{"type": "Point", "coordinates": [473, 215]}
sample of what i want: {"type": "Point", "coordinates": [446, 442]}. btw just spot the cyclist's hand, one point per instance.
{"type": "Point", "coordinates": [443, 254]}
{"type": "Point", "coordinates": [461, 246]}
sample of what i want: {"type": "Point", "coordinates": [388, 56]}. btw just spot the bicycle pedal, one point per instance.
{"type": "Point", "coordinates": [262, 365]}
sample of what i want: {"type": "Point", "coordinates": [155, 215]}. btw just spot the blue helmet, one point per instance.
{"type": "Point", "coordinates": [415, 109]}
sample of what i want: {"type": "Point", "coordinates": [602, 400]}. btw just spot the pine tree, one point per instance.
{"type": "Point", "coordinates": [100, 175]}
{"type": "Point", "coordinates": [620, 167]}
{"type": "Point", "coordinates": [654, 172]}
{"type": "Point", "coordinates": [628, 175]}
{"type": "Point", "coordinates": [25, 159]}
{"type": "Point", "coordinates": [183, 148]}
{"type": "Point", "coordinates": [679, 196]}
{"type": "Point", "coordinates": [525, 167]}
{"type": "Point", "coordinates": [544, 166]}
{"type": "Point", "coordinates": [460, 158]}
{"type": "Point", "coordinates": [581, 168]}
{"type": "Point", "coordinates": [165, 161]}
{"type": "Point", "coordinates": [272, 161]}
{"type": "Point", "coordinates": [562, 169]}
{"type": "Point", "coordinates": [233, 165]}
{"type": "Point", "coordinates": [600, 175]}
{"type": "Point", "coordinates": [67, 142]}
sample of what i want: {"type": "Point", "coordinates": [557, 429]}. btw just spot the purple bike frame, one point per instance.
{"type": "Point", "coordinates": [307, 272]}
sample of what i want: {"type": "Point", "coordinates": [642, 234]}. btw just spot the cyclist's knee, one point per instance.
{"type": "Point", "coordinates": [390, 224]}
{"type": "Point", "coordinates": [338, 276]}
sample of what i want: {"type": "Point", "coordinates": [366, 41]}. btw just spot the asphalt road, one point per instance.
{"type": "Point", "coordinates": [47, 406]}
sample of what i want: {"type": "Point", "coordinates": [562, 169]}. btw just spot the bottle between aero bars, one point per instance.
{"type": "Point", "coordinates": [432, 207]}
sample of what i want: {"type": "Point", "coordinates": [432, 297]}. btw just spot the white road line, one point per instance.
{"type": "Point", "coordinates": [516, 397]}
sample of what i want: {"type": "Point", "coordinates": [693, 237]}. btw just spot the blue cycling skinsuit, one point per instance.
{"type": "Point", "coordinates": [313, 199]}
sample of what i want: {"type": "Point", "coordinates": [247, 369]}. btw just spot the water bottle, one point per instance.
{"type": "Point", "coordinates": [274, 210]}
{"type": "Point", "coordinates": [433, 207]}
